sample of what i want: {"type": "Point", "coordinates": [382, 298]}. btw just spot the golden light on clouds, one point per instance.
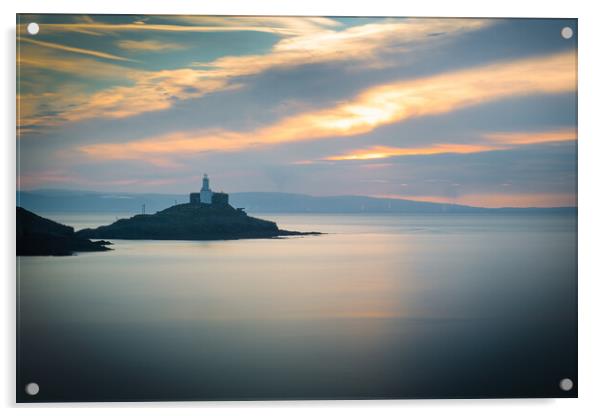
{"type": "Point", "coordinates": [377, 106]}
{"type": "Point", "coordinates": [498, 200]}
{"type": "Point", "coordinates": [309, 41]}
{"type": "Point", "coordinates": [395, 102]}
{"type": "Point", "coordinates": [40, 60]}
{"type": "Point", "coordinates": [489, 142]}
{"type": "Point", "coordinates": [416, 108]}
{"type": "Point", "coordinates": [514, 138]}
{"type": "Point", "coordinates": [382, 152]}
{"type": "Point", "coordinates": [147, 45]}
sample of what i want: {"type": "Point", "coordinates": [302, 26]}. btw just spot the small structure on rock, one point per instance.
{"type": "Point", "coordinates": [207, 196]}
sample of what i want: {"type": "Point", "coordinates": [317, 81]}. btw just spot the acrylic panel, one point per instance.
{"type": "Point", "coordinates": [283, 208]}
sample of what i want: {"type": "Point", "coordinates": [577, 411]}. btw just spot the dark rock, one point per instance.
{"type": "Point", "coordinates": [191, 222]}
{"type": "Point", "coordinates": [38, 236]}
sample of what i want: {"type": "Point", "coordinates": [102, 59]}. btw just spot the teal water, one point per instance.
{"type": "Point", "coordinates": [383, 306]}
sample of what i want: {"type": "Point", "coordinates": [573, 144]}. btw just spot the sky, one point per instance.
{"type": "Point", "coordinates": [471, 111]}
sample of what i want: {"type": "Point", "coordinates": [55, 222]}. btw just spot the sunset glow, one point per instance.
{"type": "Point", "coordinates": [279, 103]}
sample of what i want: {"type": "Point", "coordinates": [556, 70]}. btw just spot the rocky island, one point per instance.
{"type": "Point", "coordinates": [191, 222]}
{"type": "Point", "coordinates": [38, 236]}
{"type": "Point", "coordinates": [208, 216]}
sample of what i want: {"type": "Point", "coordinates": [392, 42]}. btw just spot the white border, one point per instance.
{"type": "Point", "coordinates": [590, 204]}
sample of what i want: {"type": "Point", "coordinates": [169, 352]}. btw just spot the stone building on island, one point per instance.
{"type": "Point", "coordinates": [207, 196]}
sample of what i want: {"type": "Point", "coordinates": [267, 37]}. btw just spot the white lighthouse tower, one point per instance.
{"type": "Point", "coordinates": [206, 193]}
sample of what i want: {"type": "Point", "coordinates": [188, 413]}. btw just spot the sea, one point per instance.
{"type": "Point", "coordinates": [381, 306]}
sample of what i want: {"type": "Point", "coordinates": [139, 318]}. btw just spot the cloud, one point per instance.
{"type": "Point", "coordinates": [359, 43]}
{"type": "Point", "coordinates": [66, 48]}
{"type": "Point", "coordinates": [62, 177]}
{"type": "Point", "coordinates": [282, 25]}
{"type": "Point", "coordinates": [498, 199]}
{"type": "Point", "coordinates": [32, 180]}
{"type": "Point", "coordinates": [153, 91]}
{"type": "Point", "coordinates": [276, 25]}
{"type": "Point", "coordinates": [41, 101]}
{"type": "Point", "coordinates": [147, 45]}
{"type": "Point", "coordinates": [94, 28]}
{"type": "Point", "coordinates": [399, 101]}
{"type": "Point", "coordinates": [488, 142]}
{"type": "Point", "coordinates": [518, 138]}
{"type": "Point", "coordinates": [377, 106]}
{"type": "Point", "coordinates": [81, 68]}
{"type": "Point", "coordinates": [363, 40]}
{"type": "Point", "coordinates": [382, 152]}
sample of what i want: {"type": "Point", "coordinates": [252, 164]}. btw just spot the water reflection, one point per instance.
{"type": "Point", "coordinates": [383, 306]}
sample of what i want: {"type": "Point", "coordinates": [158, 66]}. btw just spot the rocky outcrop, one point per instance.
{"type": "Point", "coordinates": [191, 222]}
{"type": "Point", "coordinates": [38, 236]}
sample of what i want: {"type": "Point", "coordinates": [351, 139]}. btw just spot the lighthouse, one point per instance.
{"type": "Point", "coordinates": [206, 193]}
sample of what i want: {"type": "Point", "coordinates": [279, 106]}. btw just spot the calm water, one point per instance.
{"type": "Point", "coordinates": [383, 306]}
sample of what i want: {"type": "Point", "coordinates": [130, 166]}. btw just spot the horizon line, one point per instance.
{"type": "Point", "coordinates": [410, 199]}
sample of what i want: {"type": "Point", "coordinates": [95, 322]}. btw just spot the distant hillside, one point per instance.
{"type": "Point", "coordinates": [88, 201]}
{"type": "Point", "coordinates": [254, 202]}
{"type": "Point", "coordinates": [297, 203]}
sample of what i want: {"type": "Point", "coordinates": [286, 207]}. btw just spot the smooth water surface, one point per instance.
{"type": "Point", "coordinates": [383, 306]}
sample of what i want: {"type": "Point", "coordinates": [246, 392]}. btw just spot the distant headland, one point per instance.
{"type": "Point", "coordinates": [207, 216]}
{"type": "Point", "coordinates": [62, 200]}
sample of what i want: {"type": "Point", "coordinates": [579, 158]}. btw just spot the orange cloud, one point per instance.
{"type": "Point", "coordinates": [42, 102]}
{"type": "Point", "coordinates": [42, 60]}
{"type": "Point", "coordinates": [498, 200]}
{"type": "Point", "coordinates": [493, 141]}
{"type": "Point", "coordinates": [153, 91]}
{"type": "Point", "coordinates": [377, 106]}
{"type": "Point", "coordinates": [382, 152]}
{"type": "Point", "coordinates": [399, 101]}
{"type": "Point", "coordinates": [517, 138]}
{"type": "Point", "coordinates": [147, 45]}
{"type": "Point", "coordinates": [44, 178]}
